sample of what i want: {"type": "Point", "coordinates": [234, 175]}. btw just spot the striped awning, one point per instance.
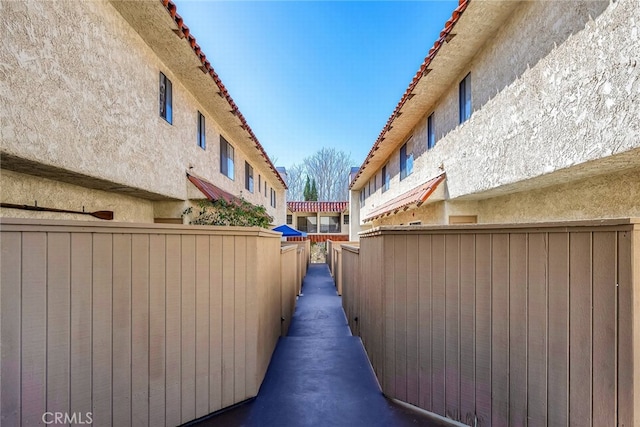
{"type": "Point", "coordinates": [212, 192]}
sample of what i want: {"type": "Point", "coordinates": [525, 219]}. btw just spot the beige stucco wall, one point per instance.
{"type": "Point", "coordinates": [79, 91]}
{"type": "Point", "coordinates": [561, 114]}
{"type": "Point", "coordinates": [21, 189]}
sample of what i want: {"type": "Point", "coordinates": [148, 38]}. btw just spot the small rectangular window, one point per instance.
{"type": "Point", "coordinates": [375, 183]}
{"type": "Point", "coordinates": [290, 219]}
{"type": "Point", "coordinates": [201, 132]}
{"type": "Point", "coordinates": [166, 99]}
{"type": "Point", "coordinates": [226, 158]}
{"type": "Point", "coordinates": [465, 98]}
{"type": "Point", "coordinates": [329, 224]}
{"type": "Point", "coordinates": [259, 183]}
{"type": "Point", "coordinates": [386, 178]}
{"type": "Point", "coordinates": [431, 133]}
{"type": "Point", "coordinates": [248, 177]}
{"type": "Point", "coordinates": [406, 161]}
{"type": "Point", "coordinates": [346, 219]}
{"type": "Point", "coordinates": [273, 198]}
{"type": "Point", "coordinates": [362, 197]}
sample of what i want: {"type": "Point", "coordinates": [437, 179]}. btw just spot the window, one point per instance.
{"type": "Point", "coordinates": [289, 219]}
{"type": "Point", "coordinates": [308, 224]}
{"type": "Point", "coordinates": [465, 98]}
{"type": "Point", "coordinates": [362, 197]}
{"type": "Point", "coordinates": [273, 198]}
{"type": "Point", "coordinates": [259, 183]}
{"type": "Point", "coordinates": [201, 132]}
{"type": "Point", "coordinates": [226, 158]}
{"type": "Point", "coordinates": [329, 224]}
{"type": "Point", "coordinates": [431, 133]}
{"type": "Point", "coordinates": [375, 183]}
{"type": "Point", "coordinates": [166, 99]}
{"type": "Point", "coordinates": [265, 189]}
{"type": "Point", "coordinates": [406, 161]}
{"type": "Point", "coordinates": [346, 219]}
{"type": "Point", "coordinates": [385, 178]}
{"type": "Point", "coordinates": [248, 177]}
{"type": "Point", "coordinates": [369, 187]}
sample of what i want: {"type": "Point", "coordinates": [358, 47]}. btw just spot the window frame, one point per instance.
{"type": "Point", "coordinates": [431, 132]}
{"type": "Point", "coordinates": [406, 161]}
{"type": "Point", "coordinates": [345, 219]}
{"type": "Point", "coordinates": [165, 98]}
{"type": "Point", "coordinates": [289, 219]}
{"type": "Point", "coordinates": [202, 131]}
{"type": "Point", "coordinates": [248, 177]}
{"type": "Point", "coordinates": [226, 159]}
{"type": "Point", "coordinates": [464, 98]}
{"type": "Point", "coordinates": [386, 178]}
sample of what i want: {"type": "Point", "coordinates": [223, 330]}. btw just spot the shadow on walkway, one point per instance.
{"type": "Point", "coordinates": [319, 374]}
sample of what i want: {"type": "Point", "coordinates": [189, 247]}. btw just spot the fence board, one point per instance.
{"type": "Point", "coordinates": [188, 328]}
{"type": "Point", "coordinates": [173, 346]}
{"type": "Point", "coordinates": [81, 321]}
{"type": "Point", "coordinates": [518, 329]}
{"type": "Point", "coordinates": [157, 331]}
{"type": "Point", "coordinates": [388, 308]}
{"type": "Point", "coordinates": [500, 330]}
{"type": "Point", "coordinates": [438, 356]}
{"type": "Point", "coordinates": [399, 344]}
{"type": "Point", "coordinates": [484, 309]}
{"type": "Point", "coordinates": [10, 324]}
{"type": "Point", "coordinates": [580, 337]}
{"type": "Point", "coordinates": [604, 328]}
{"type": "Point", "coordinates": [452, 326]}
{"type": "Point", "coordinates": [240, 285]}
{"type": "Point", "coordinates": [121, 330]}
{"type": "Point", "coordinates": [58, 321]}
{"type": "Point", "coordinates": [467, 328]}
{"type": "Point", "coordinates": [558, 353]}
{"type": "Point", "coordinates": [140, 330]}
{"type": "Point", "coordinates": [628, 299]}
{"type": "Point", "coordinates": [228, 328]}
{"type": "Point", "coordinates": [412, 319]}
{"type": "Point", "coordinates": [424, 314]}
{"type": "Point", "coordinates": [102, 333]}
{"type": "Point", "coordinates": [215, 323]}
{"type": "Point", "coordinates": [202, 325]}
{"type": "Point", "coordinates": [537, 330]}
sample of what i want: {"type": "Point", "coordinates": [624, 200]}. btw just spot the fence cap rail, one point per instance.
{"type": "Point", "coordinates": [73, 226]}
{"type": "Point", "coordinates": [542, 227]}
{"type": "Point", "coordinates": [351, 248]}
{"type": "Point", "coordinates": [288, 248]}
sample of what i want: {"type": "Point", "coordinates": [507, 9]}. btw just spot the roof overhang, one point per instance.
{"type": "Point", "coordinates": [211, 191]}
{"type": "Point", "coordinates": [313, 206]}
{"type": "Point", "coordinates": [163, 29]}
{"type": "Point", "coordinates": [471, 25]}
{"type": "Point", "coordinates": [411, 199]}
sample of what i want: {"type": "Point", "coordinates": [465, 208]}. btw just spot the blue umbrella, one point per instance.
{"type": "Point", "coordinates": [289, 231]}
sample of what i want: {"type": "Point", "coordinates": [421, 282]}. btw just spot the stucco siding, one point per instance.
{"type": "Point", "coordinates": [543, 114]}
{"type": "Point", "coordinates": [24, 189]}
{"type": "Point", "coordinates": [80, 90]}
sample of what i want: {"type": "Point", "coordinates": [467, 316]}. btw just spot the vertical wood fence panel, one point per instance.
{"type": "Point", "coordinates": [514, 325]}
{"type": "Point", "coordinates": [138, 325]}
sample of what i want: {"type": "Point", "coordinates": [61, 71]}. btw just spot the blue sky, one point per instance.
{"type": "Point", "coordinates": [311, 74]}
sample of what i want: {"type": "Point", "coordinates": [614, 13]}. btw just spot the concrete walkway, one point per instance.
{"type": "Point", "coordinates": [319, 374]}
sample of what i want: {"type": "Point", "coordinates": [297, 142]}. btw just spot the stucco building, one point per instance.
{"type": "Point", "coordinates": [112, 105]}
{"type": "Point", "coordinates": [320, 220]}
{"type": "Point", "coordinates": [521, 112]}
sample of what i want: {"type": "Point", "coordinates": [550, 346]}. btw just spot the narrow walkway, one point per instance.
{"type": "Point", "coordinates": [319, 374]}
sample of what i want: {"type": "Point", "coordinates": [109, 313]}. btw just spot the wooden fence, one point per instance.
{"type": "Point", "coordinates": [533, 325]}
{"type": "Point", "coordinates": [334, 261]}
{"type": "Point", "coordinates": [137, 324]}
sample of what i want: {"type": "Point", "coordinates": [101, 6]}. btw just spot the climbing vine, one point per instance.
{"type": "Point", "coordinates": [236, 213]}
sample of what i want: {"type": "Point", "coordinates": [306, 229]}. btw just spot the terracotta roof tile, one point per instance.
{"type": "Point", "coordinates": [207, 68]}
{"type": "Point", "coordinates": [317, 206]}
{"type": "Point", "coordinates": [212, 192]}
{"type": "Point", "coordinates": [422, 71]}
{"type": "Point", "coordinates": [416, 196]}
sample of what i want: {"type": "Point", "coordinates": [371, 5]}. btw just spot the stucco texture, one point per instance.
{"type": "Point", "coordinates": [548, 109]}
{"type": "Point", "coordinates": [79, 89]}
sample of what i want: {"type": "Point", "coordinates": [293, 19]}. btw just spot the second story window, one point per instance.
{"type": "Point", "coordinates": [406, 160]}
{"type": "Point", "coordinates": [431, 133]}
{"type": "Point", "coordinates": [166, 99]}
{"type": "Point", "coordinates": [386, 178]}
{"type": "Point", "coordinates": [201, 132]}
{"type": "Point", "coordinates": [273, 198]}
{"type": "Point", "coordinates": [226, 158]}
{"type": "Point", "coordinates": [259, 183]}
{"type": "Point", "coordinates": [248, 177]}
{"type": "Point", "coordinates": [465, 98]}
{"type": "Point", "coordinates": [362, 197]}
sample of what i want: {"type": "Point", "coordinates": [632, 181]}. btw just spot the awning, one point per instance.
{"type": "Point", "coordinates": [289, 231]}
{"type": "Point", "coordinates": [317, 206]}
{"type": "Point", "coordinates": [416, 196]}
{"type": "Point", "coordinates": [212, 192]}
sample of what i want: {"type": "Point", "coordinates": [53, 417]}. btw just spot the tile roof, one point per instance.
{"type": "Point", "coordinates": [212, 192]}
{"type": "Point", "coordinates": [207, 68]}
{"type": "Point", "coordinates": [423, 71]}
{"type": "Point", "coordinates": [317, 206]}
{"type": "Point", "coordinates": [416, 196]}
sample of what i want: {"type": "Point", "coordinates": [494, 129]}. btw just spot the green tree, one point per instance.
{"type": "Point", "coordinates": [307, 190]}
{"type": "Point", "coordinates": [313, 194]}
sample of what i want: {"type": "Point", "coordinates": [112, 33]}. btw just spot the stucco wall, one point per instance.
{"type": "Point", "coordinates": [24, 189]}
{"type": "Point", "coordinates": [563, 114]}
{"type": "Point", "coordinates": [80, 91]}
